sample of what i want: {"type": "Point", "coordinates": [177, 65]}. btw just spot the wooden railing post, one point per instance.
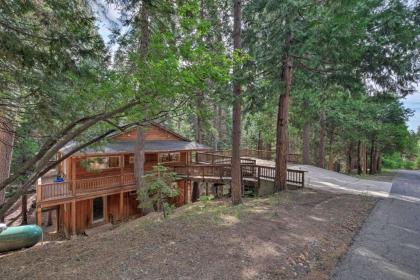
{"type": "Point", "coordinates": [73, 216]}
{"type": "Point", "coordinates": [303, 179]}
{"type": "Point", "coordinates": [258, 180]}
{"type": "Point", "coordinates": [39, 190]}
{"type": "Point", "coordinates": [73, 176]}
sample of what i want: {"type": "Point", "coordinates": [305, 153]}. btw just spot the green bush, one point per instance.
{"type": "Point", "coordinates": [394, 161]}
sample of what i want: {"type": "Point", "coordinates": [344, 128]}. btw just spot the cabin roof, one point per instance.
{"type": "Point", "coordinates": [117, 147]}
{"type": "Point", "coordinates": [151, 124]}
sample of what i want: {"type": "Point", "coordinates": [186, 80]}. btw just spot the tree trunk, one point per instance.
{"type": "Point", "coordinates": [7, 138]}
{"type": "Point", "coordinates": [321, 154]}
{"type": "Point", "coordinates": [216, 123]}
{"type": "Point", "coordinates": [139, 157]}
{"type": "Point", "coordinates": [280, 183]}
{"type": "Point", "coordinates": [259, 142]}
{"type": "Point", "coordinates": [306, 144]}
{"type": "Point", "coordinates": [199, 120]}
{"type": "Point", "coordinates": [359, 158]}
{"type": "Point", "coordinates": [236, 185]}
{"type": "Point", "coordinates": [349, 158]}
{"type": "Point", "coordinates": [373, 164]}
{"type": "Point", "coordinates": [24, 209]}
{"type": "Point", "coordinates": [331, 155]}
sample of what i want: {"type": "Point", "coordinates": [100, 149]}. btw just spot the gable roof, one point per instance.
{"type": "Point", "coordinates": [127, 144]}
{"type": "Point", "coordinates": [158, 146]}
{"type": "Point", "coordinates": [151, 124]}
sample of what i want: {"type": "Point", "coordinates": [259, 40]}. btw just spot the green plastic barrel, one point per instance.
{"type": "Point", "coordinates": [13, 238]}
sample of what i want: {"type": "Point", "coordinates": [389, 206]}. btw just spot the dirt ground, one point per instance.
{"type": "Point", "coordinates": [295, 235]}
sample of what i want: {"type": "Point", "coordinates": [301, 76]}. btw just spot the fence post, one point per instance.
{"type": "Point", "coordinates": [303, 179]}
{"type": "Point", "coordinates": [258, 180]}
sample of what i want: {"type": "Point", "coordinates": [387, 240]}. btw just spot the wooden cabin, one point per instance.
{"type": "Point", "coordinates": [98, 183]}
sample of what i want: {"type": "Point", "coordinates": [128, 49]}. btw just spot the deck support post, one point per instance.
{"type": "Point", "coordinates": [73, 217]}
{"type": "Point", "coordinates": [39, 216]}
{"type": "Point", "coordinates": [121, 168]}
{"type": "Point", "coordinates": [105, 202]}
{"type": "Point", "coordinates": [121, 205]}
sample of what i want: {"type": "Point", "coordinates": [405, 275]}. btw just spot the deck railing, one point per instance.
{"type": "Point", "coordinates": [214, 158]}
{"type": "Point", "coordinates": [82, 186]}
{"type": "Point", "coordinates": [251, 172]}
{"type": "Point", "coordinates": [206, 171]}
{"type": "Point", "coordinates": [261, 154]}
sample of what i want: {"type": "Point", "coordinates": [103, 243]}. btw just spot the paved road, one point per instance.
{"type": "Point", "coordinates": [326, 180]}
{"type": "Point", "coordinates": [388, 245]}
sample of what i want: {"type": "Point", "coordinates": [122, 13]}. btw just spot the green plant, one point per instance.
{"type": "Point", "coordinates": [159, 186]}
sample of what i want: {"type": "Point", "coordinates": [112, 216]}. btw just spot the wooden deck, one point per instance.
{"type": "Point", "coordinates": [208, 167]}
{"type": "Point", "coordinates": [250, 173]}
{"type": "Point", "coordinates": [78, 188]}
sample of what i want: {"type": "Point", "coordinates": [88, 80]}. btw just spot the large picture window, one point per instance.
{"type": "Point", "coordinates": [100, 163]}
{"type": "Point", "coordinates": [169, 157]}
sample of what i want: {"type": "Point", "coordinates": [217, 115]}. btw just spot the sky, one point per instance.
{"type": "Point", "coordinates": [413, 102]}
{"type": "Point", "coordinates": [112, 13]}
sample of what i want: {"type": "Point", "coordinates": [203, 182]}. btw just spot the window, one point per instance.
{"type": "Point", "coordinates": [131, 160]}
{"type": "Point", "coordinates": [113, 162]}
{"type": "Point", "coordinates": [97, 210]}
{"type": "Point", "coordinates": [169, 157]}
{"type": "Point", "coordinates": [99, 163]}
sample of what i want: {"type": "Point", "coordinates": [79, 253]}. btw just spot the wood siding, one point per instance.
{"type": "Point", "coordinates": [152, 133]}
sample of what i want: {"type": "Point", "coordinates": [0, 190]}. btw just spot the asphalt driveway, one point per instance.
{"type": "Point", "coordinates": [388, 245]}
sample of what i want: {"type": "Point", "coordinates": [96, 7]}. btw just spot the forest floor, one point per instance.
{"type": "Point", "coordinates": [293, 235]}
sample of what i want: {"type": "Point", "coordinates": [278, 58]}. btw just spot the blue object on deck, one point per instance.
{"type": "Point", "coordinates": [58, 180]}
{"type": "Point", "coordinates": [13, 238]}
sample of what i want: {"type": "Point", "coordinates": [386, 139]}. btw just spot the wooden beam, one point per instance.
{"type": "Point", "coordinates": [122, 163]}
{"type": "Point", "coordinates": [73, 217]}
{"type": "Point", "coordinates": [105, 201]}
{"type": "Point", "coordinates": [39, 216]}
{"type": "Point", "coordinates": [73, 175]}
{"type": "Point", "coordinates": [121, 205]}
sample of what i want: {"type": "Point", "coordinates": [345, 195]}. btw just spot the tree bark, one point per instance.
{"type": "Point", "coordinates": [331, 155]}
{"type": "Point", "coordinates": [306, 144]}
{"type": "Point", "coordinates": [24, 209]}
{"type": "Point", "coordinates": [236, 184]}
{"type": "Point", "coordinates": [199, 120]}
{"type": "Point", "coordinates": [349, 158]}
{"type": "Point", "coordinates": [373, 164]}
{"type": "Point", "coordinates": [321, 154]}
{"type": "Point", "coordinates": [7, 138]}
{"type": "Point", "coordinates": [280, 183]}
{"type": "Point", "coordinates": [359, 158]}
{"type": "Point", "coordinates": [216, 124]}
{"type": "Point", "coordinates": [259, 142]}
